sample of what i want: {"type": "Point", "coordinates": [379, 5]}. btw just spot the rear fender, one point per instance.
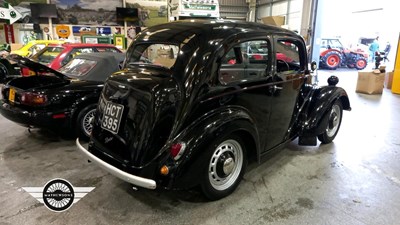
{"type": "Point", "coordinates": [202, 133]}
{"type": "Point", "coordinates": [316, 114]}
{"type": "Point", "coordinates": [329, 50]}
{"type": "Point", "coordinates": [80, 103]}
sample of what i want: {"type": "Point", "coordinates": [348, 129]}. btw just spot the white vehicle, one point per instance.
{"type": "Point", "coordinates": [180, 9]}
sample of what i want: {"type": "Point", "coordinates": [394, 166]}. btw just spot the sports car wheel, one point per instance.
{"type": "Point", "coordinates": [361, 64]}
{"type": "Point", "coordinates": [334, 121]}
{"type": "Point", "coordinates": [226, 165]}
{"type": "Point", "coordinates": [332, 60]}
{"type": "Point", "coordinates": [84, 122]}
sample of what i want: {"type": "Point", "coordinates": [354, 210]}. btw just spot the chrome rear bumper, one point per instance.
{"type": "Point", "coordinates": [139, 181]}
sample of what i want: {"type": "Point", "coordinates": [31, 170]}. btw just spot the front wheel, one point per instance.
{"type": "Point", "coordinates": [84, 123]}
{"type": "Point", "coordinates": [226, 163]}
{"type": "Point", "coordinates": [334, 121]}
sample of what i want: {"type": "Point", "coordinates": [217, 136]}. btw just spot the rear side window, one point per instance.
{"type": "Point", "coordinates": [163, 55]}
{"type": "Point", "coordinates": [245, 61]}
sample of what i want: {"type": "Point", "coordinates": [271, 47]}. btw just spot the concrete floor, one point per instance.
{"type": "Point", "coordinates": [355, 180]}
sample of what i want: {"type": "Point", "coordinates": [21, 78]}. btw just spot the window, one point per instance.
{"type": "Point", "coordinates": [245, 61]}
{"type": "Point", "coordinates": [74, 52]}
{"type": "Point", "coordinates": [106, 49]}
{"type": "Point", "coordinates": [78, 67]}
{"type": "Point", "coordinates": [287, 56]}
{"type": "Point", "coordinates": [48, 54]}
{"type": "Point", "coordinates": [163, 55]}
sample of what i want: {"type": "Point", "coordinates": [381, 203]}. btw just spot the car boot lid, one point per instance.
{"type": "Point", "coordinates": [36, 66]}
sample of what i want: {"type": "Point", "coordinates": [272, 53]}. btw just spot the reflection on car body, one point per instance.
{"type": "Point", "coordinates": [210, 107]}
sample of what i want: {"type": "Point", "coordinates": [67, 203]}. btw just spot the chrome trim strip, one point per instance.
{"type": "Point", "coordinates": [139, 181]}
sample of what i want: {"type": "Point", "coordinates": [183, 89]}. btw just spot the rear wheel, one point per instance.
{"type": "Point", "coordinates": [361, 64]}
{"type": "Point", "coordinates": [84, 121]}
{"type": "Point", "coordinates": [332, 60]}
{"type": "Point", "coordinates": [226, 163]}
{"type": "Point", "coordinates": [334, 121]}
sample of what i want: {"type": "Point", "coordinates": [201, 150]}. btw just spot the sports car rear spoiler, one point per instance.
{"type": "Point", "coordinates": [37, 67]}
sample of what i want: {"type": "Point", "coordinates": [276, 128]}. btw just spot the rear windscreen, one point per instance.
{"type": "Point", "coordinates": [163, 55]}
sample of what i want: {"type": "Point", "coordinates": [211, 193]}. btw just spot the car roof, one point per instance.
{"type": "Point", "coordinates": [47, 41]}
{"type": "Point", "coordinates": [107, 63]}
{"type": "Point", "coordinates": [182, 31]}
{"type": "Point", "coordinates": [75, 45]}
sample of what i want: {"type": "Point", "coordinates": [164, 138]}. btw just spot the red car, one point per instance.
{"type": "Point", "coordinates": [57, 55]}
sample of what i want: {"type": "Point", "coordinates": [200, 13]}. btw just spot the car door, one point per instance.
{"type": "Point", "coordinates": [290, 65]}
{"type": "Point", "coordinates": [249, 78]}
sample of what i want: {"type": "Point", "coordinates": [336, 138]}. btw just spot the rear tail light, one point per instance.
{"type": "Point", "coordinates": [177, 150]}
{"type": "Point", "coordinates": [27, 72]}
{"type": "Point", "coordinates": [33, 99]}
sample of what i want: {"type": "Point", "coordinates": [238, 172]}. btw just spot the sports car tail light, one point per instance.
{"type": "Point", "coordinates": [27, 72]}
{"type": "Point", "coordinates": [33, 99]}
{"type": "Point", "coordinates": [177, 150]}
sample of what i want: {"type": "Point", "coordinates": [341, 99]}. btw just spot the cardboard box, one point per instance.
{"type": "Point", "coordinates": [388, 80]}
{"type": "Point", "coordinates": [16, 46]}
{"type": "Point", "coordinates": [370, 82]}
{"type": "Point", "coordinates": [274, 20]}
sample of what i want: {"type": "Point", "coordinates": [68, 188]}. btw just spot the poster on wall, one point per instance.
{"type": "Point", "coordinates": [86, 12]}
{"type": "Point", "coordinates": [150, 13]}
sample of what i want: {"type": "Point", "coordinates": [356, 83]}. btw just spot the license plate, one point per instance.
{"type": "Point", "coordinates": [112, 115]}
{"type": "Point", "coordinates": [11, 95]}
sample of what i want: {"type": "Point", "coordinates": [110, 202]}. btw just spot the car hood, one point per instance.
{"type": "Point", "coordinates": [36, 66]}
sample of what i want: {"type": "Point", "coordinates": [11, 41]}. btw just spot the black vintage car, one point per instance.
{"type": "Point", "coordinates": [198, 100]}
{"type": "Point", "coordinates": [59, 99]}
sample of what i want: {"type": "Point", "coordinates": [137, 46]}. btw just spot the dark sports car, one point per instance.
{"type": "Point", "coordinates": [64, 98]}
{"type": "Point", "coordinates": [194, 104]}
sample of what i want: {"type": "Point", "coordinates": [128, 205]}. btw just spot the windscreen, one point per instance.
{"type": "Point", "coordinates": [163, 55]}
{"type": "Point", "coordinates": [47, 55]}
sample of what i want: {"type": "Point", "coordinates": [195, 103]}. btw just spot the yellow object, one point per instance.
{"type": "Point", "coordinates": [33, 47]}
{"type": "Point", "coordinates": [164, 170]}
{"type": "Point", "coordinates": [396, 75]}
{"type": "Point", "coordinates": [63, 31]}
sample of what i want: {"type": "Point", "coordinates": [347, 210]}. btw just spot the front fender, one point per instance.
{"type": "Point", "coordinates": [202, 133]}
{"type": "Point", "coordinates": [318, 108]}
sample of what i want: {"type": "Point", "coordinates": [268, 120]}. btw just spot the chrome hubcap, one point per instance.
{"type": "Point", "coordinates": [334, 119]}
{"type": "Point", "coordinates": [225, 165]}
{"type": "Point", "coordinates": [87, 122]}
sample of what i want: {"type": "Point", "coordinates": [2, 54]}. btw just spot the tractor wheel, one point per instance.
{"type": "Point", "coordinates": [361, 64]}
{"type": "Point", "coordinates": [332, 60]}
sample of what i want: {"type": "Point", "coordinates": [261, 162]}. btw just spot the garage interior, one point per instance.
{"type": "Point", "coordinates": [354, 180]}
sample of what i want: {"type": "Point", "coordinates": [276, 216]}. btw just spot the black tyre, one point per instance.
{"type": "Point", "coordinates": [226, 164]}
{"type": "Point", "coordinates": [361, 64]}
{"type": "Point", "coordinates": [334, 121]}
{"type": "Point", "coordinates": [84, 121]}
{"type": "Point", "coordinates": [332, 60]}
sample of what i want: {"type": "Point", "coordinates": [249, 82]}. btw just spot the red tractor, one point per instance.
{"type": "Point", "coordinates": [334, 55]}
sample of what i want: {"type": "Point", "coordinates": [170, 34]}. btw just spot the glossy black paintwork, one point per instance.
{"type": "Point", "coordinates": [65, 95]}
{"type": "Point", "coordinates": [188, 103]}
